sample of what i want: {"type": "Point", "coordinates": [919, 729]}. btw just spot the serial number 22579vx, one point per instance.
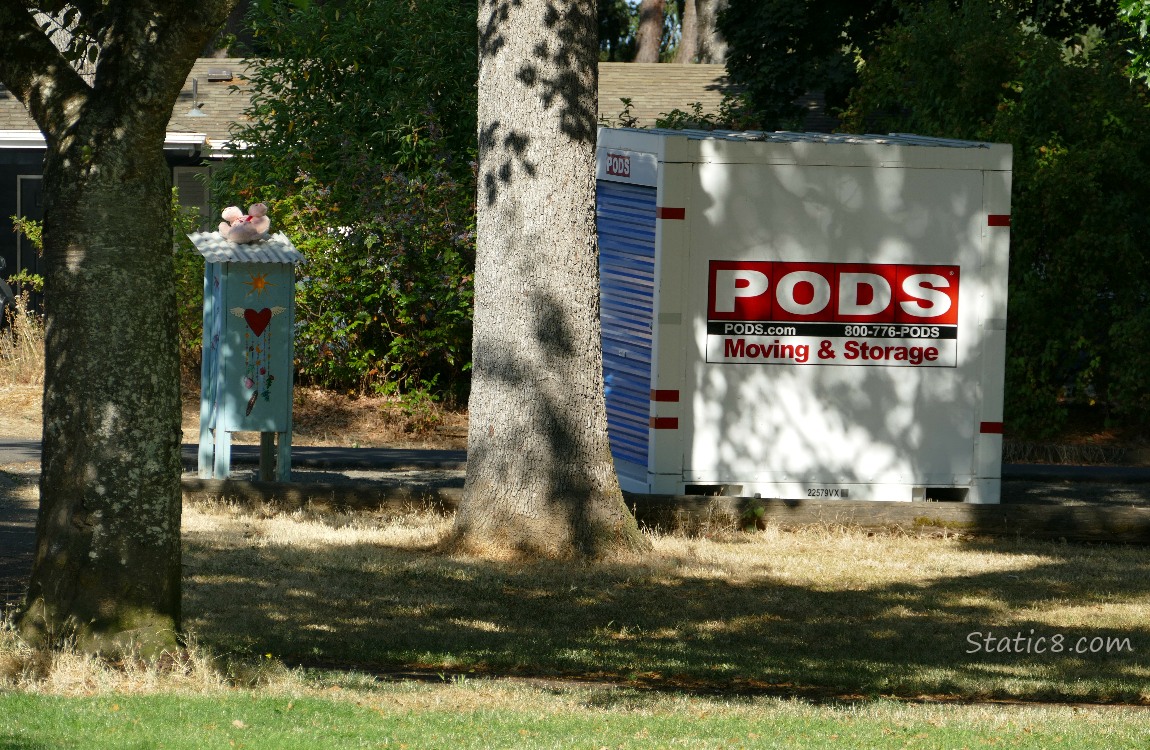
{"type": "Point", "coordinates": [840, 492]}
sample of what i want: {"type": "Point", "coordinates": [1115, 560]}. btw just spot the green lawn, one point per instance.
{"type": "Point", "coordinates": [461, 716]}
{"type": "Point", "coordinates": [304, 622]}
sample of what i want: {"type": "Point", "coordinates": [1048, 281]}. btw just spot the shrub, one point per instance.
{"type": "Point", "coordinates": [362, 130]}
{"type": "Point", "coordinates": [1080, 128]}
{"type": "Point", "coordinates": [384, 303]}
{"type": "Point", "coordinates": [189, 270]}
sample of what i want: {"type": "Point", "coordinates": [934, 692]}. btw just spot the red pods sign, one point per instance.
{"type": "Point", "coordinates": [882, 314]}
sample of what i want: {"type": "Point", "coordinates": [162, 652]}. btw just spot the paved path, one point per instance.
{"type": "Point", "coordinates": [403, 459]}
{"type": "Point", "coordinates": [1037, 483]}
{"type": "Point", "coordinates": [18, 451]}
{"type": "Point", "coordinates": [382, 459]}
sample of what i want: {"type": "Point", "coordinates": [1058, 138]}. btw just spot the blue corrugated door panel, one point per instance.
{"type": "Point", "coordinates": [625, 215]}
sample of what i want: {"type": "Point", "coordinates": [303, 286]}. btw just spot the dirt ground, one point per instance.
{"type": "Point", "coordinates": [20, 412]}
{"type": "Point", "coordinates": [320, 418]}
{"type": "Point", "coordinates": [324, 418]}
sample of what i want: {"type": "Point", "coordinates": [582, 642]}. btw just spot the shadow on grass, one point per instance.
{"type": "Point", "coordinates": [674, 622]}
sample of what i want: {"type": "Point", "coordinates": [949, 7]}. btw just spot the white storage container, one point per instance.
{"type": "Point", "coordinates": [798, 315]}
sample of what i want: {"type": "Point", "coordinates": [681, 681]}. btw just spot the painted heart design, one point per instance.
{"type": "Point", "coordinates": [258, 320]}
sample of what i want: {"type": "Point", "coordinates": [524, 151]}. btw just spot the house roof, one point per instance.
{"type": "Point", "coordinates": [13, 115]}
{"type": "Point", "coordinates": [658, 88]}
{"type": "Point", "coordinates": [653, 88]}
{"type": "Point", "coordinates": [218, 83]}
{"type": "Point", "coordinates": [221, 95]}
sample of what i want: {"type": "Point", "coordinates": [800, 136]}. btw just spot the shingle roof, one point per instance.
{"type": "Point", "coordinates": [657, 88]}
{"type": "Point", "coordinates": [13, 116]}
{"type": "Point", "coordinates": [654, 89]}
{"type": "Point", "coordinates": [221, 90]}
{"type": "Point", "coordinates": [215, 79]}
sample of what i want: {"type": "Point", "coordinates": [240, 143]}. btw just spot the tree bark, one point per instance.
{"type": "Point", "coordinates": [108, 552]}
{"type": "Point", "coordinates": [649, 37]}
{"type": "Point", "coordinates": [712, 48]}
{"type": "Point", "coordinates": [107, 567]}
{"type": "Point", "coordinates": [540, 478]}
{"type": "Point", "coordinates": [688, 48]}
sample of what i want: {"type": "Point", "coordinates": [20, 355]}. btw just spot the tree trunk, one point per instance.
{"type": "Point", "coordinates": [712, 47]}
{"type": "Point", "coordinates": [107, 568]}
{"type": "Point", "coordinates": [540, 479]}
{"type": "Point", "coordinates": [688, 47]}
{"type": "Point", "coordinates": [649, 37]}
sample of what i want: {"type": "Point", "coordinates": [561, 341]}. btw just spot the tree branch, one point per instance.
{"type": "Point", "coordinates": [141, 43]}
{"type": "Point", "coordinates": [33, 69]}
{"type": "Point", "coordinates": [52, 7]}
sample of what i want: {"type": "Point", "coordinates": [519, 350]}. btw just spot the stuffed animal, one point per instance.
{"type": "Point", "coordinates": [231, 215]}
{"type": "Point", "coordinates": [240, 228]}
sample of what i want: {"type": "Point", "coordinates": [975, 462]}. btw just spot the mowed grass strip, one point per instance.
{"type": "Point", "coordinates": [818, 612]}
{"type": "Point", "coordinates": [485, 715]}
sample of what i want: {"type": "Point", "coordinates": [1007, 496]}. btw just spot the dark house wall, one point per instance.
{"type": "Point", "coordinates": [13, 163]}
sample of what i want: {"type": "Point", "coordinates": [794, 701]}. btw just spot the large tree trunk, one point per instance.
{"type": "Point", "coordinates": [107, 567]}
{"type": "Point", "coordinates": [649, 37]}
{"type": "Point", "coordinates": [688, 47]}
{"type": "Point", "coordinates": [540, 479]}
{"type": "Point", "coordinates": [712, 47]}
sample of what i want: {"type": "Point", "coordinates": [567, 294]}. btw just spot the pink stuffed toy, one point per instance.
{"type": "Point", "coordinates": [239, 228]}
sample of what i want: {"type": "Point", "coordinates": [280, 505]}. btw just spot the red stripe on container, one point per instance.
{"type": "Point", "coordinates": [665, 212]}
{"type": "Point", "coordinates": [672, 396]}
{"type": "Point", "coordinates": [998, 220]}
{"type": "Point", "coordinates": [990, 428]}
{"type": "Point", "coordinates": [665, 423]}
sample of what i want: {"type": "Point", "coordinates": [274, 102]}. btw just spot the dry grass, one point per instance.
{"type": "Point", "coordinates": [20, 411]}
{"type": "Point", "coordinates": [67, 672]}
{"type": "Point", "coordinates": [320, 417]}
{"type": "Point", "coordinates": [21, 373]}
{"type": "Point", "coordinates": [817, 611]}
{"type": "Point", "coordinates": [22, 347]}
{"type": "Point", "coordinates": [823, 608]}
{"type": "Point", "coordinates": [326, 418]}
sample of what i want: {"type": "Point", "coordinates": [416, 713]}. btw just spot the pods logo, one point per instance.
{"type": "Point", "coordinates": [833, 292]}
{"type": "Point", "coordinates": [618, 165]}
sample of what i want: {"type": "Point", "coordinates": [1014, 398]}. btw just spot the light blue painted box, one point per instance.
{"type": "Point", "coordinates": [249, 324]}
